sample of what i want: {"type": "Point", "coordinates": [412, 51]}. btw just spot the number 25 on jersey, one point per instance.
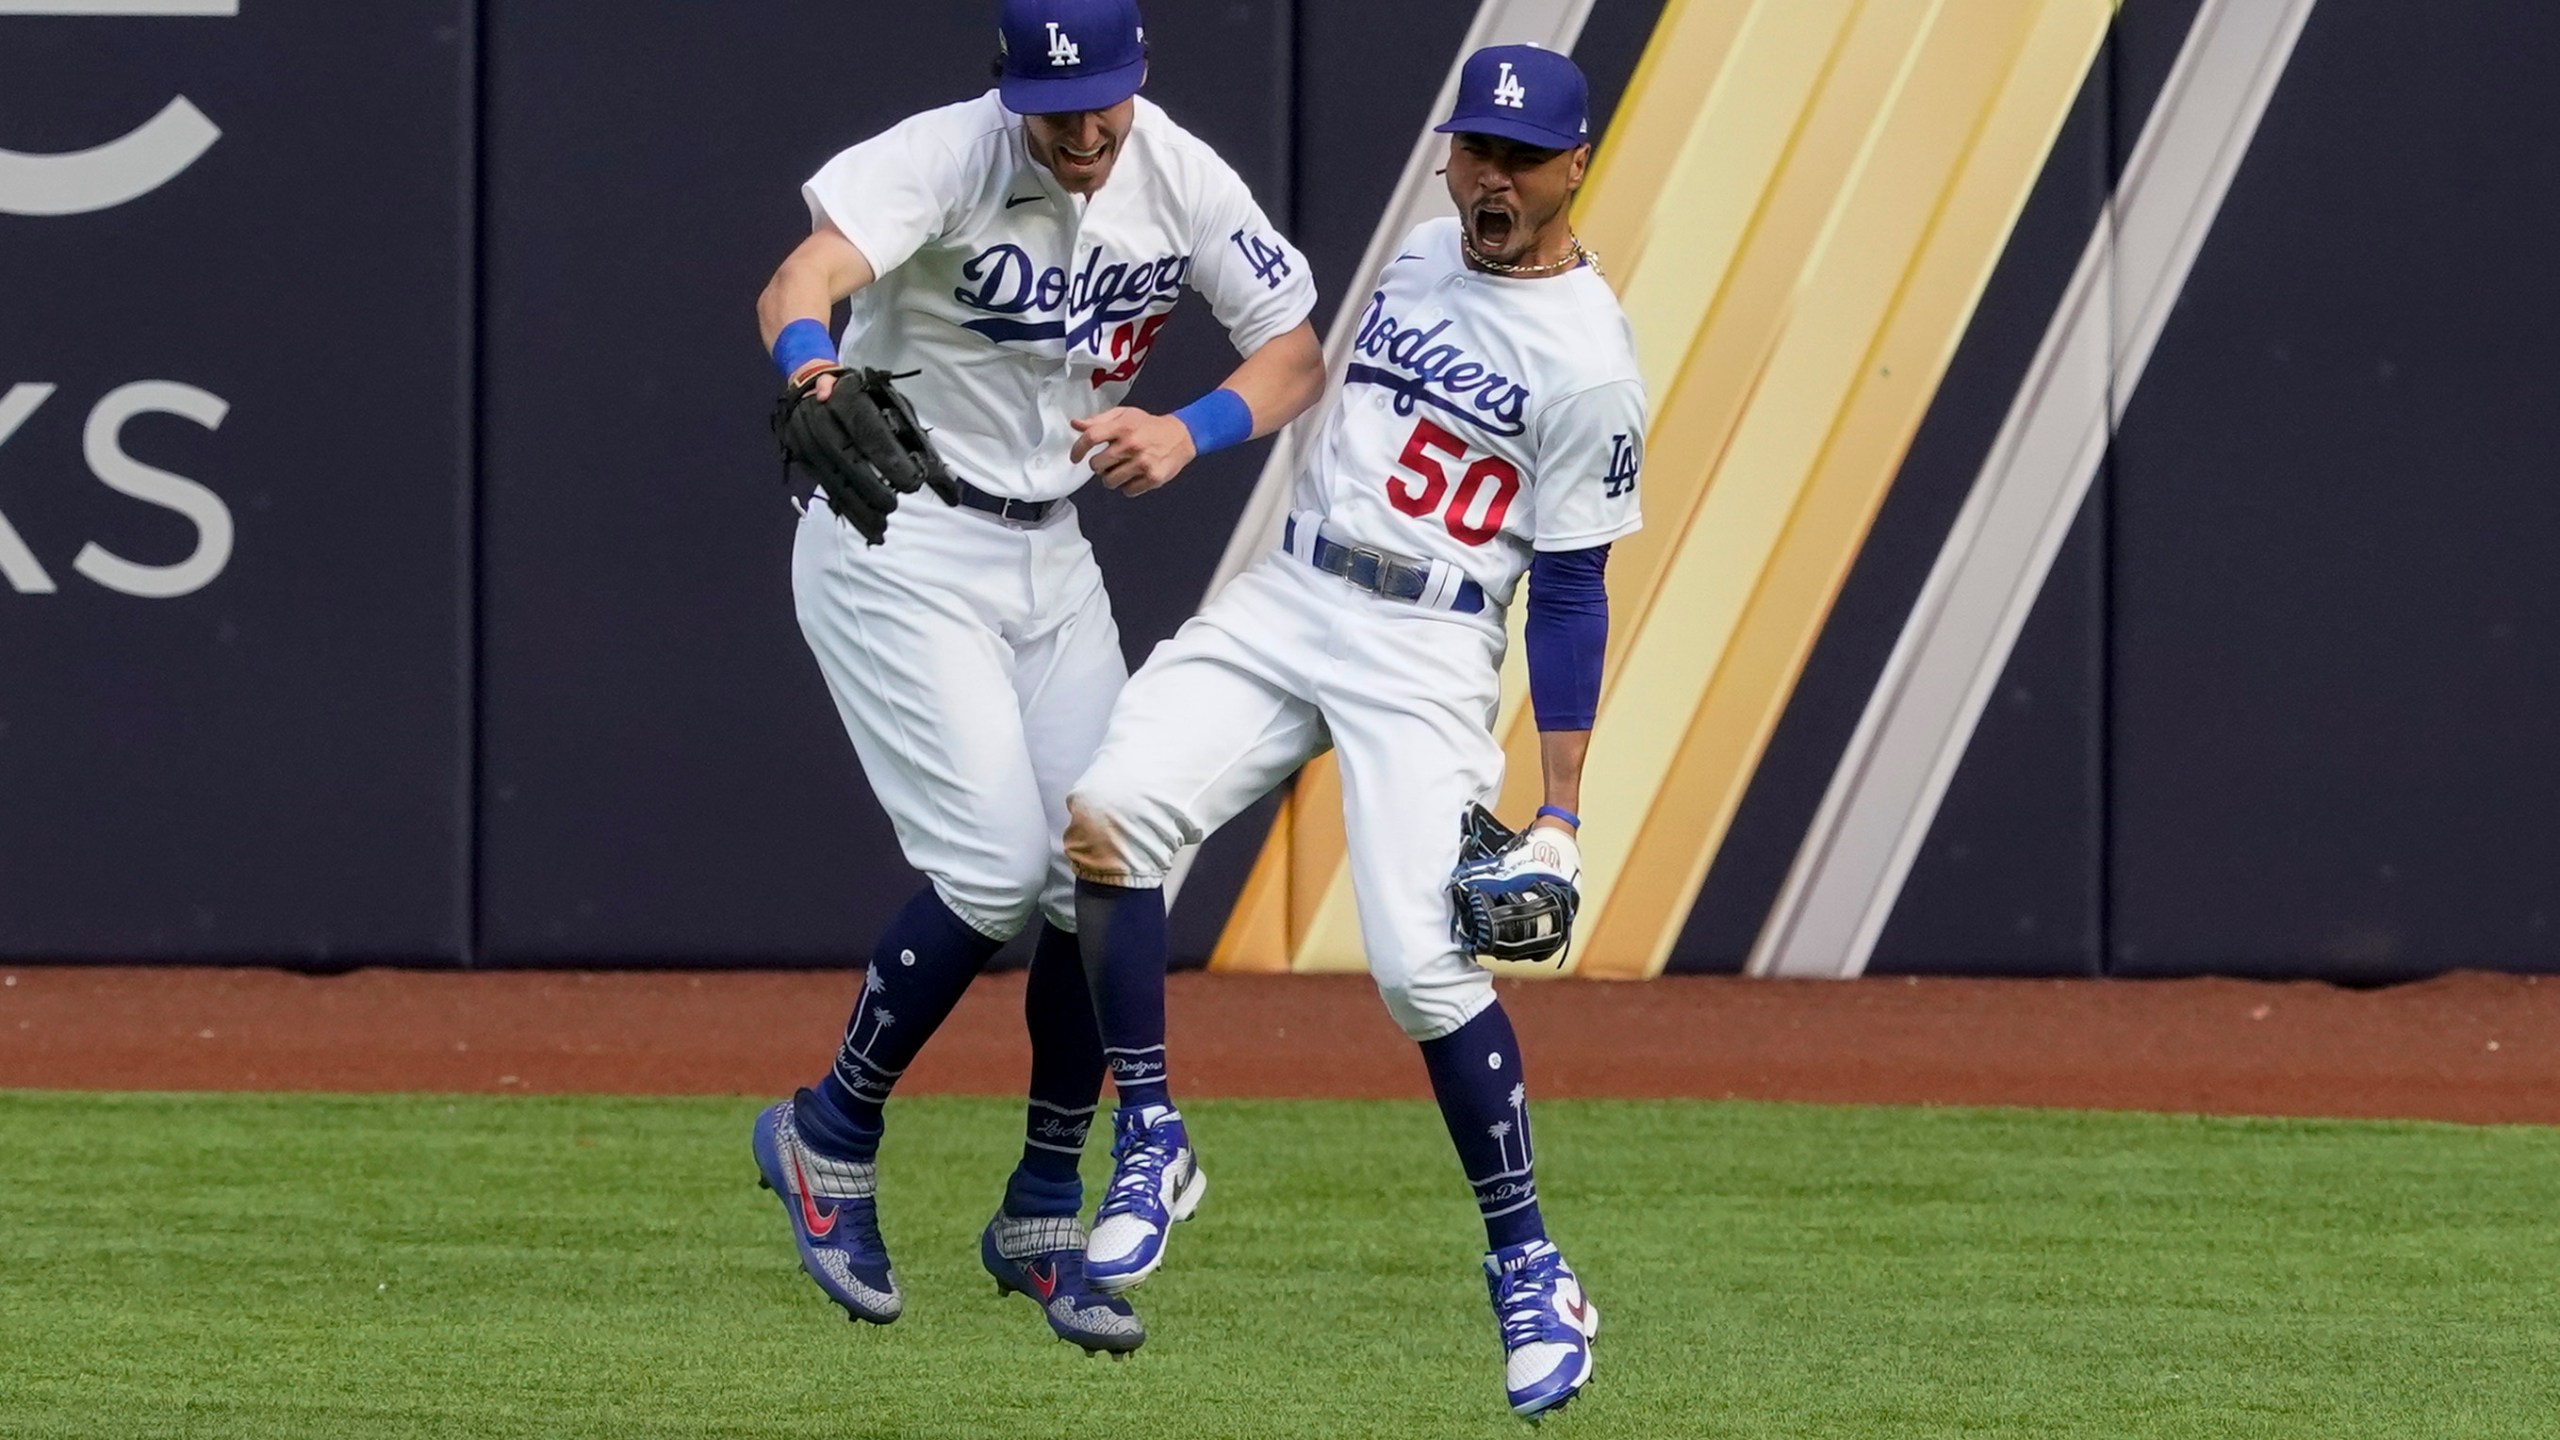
{"type": "Point", "coordinates": [1423, 492]}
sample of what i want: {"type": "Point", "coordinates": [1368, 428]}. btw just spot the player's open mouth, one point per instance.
{"type": "Point", "coordinates": [1490, 224]}
{"type": "Point", "coordinates": [1083, 159]}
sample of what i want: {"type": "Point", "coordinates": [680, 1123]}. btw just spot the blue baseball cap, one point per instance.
{"type": "Point", "coordinates": [1062, 56]}
{"type": "Point", "coordinates": [1523, 93]}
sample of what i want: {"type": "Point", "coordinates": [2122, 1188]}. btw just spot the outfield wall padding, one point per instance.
{"type": "Point", "coordinates": [464, 637]}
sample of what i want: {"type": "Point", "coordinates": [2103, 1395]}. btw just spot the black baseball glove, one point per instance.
{"type": "Point", "coordinates": [862, 446]}
{"type": "Point", "coordinates": [1515, 892]}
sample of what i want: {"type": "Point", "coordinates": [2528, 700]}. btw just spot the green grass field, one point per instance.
{"type": "Point", "coordinates": [276, 1267]}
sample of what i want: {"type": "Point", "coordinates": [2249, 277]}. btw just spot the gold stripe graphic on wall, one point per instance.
{"type": "Point", "coordinates": [1800, 202]}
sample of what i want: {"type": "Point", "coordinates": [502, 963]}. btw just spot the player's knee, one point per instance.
{"type": "Point", "coordinates": [1428, 1006]}
{"type": "Point", "coordinates": [1109, 839]}
{"type": "Point", "coordinates": [992, 910]}
{"type": "Point", "coordinates": [1000, 895]}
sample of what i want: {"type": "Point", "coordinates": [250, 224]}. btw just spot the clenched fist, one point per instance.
{"type": "Point", "coordinates": [1133, 451]}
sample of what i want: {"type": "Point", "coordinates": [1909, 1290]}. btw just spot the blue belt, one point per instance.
{"type": "Point", "coordinates": [1393, 576]}
{"type": "Point", "coordinates": [1020, 512]}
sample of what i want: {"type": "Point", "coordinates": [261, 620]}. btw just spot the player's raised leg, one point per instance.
{"type": "Point", "coordinates": [1207, 726]}
{"type": "Point", "coordinates": [1156, 1180]}
{"type": "Point", "coordinates": [923, 682]}
{"type": "Point", "coordinates": [1409, 729]}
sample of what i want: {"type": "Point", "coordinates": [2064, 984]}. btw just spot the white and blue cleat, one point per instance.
{"type": "Point", "coordinates": [1547, 1327]}
{"type": "Point", "coordinates": [1043, 1257]}
{"type": "Point", "coordinates": [835, 1221]}
{"type": "Point", "coordinates": [1155, 1184]}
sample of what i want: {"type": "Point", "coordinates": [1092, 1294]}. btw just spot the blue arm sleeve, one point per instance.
{"type": "Point", "coordinates": [1567, 634]}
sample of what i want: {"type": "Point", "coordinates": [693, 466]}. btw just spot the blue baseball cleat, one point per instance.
{"type": "Point", "coordinates": [1043, 1257]}
{"type": "Point", "coordinates": [1156, 1185]}
{"type": "Point", "coordinates": [1547, 1326]}
{"type": "Point", "coordinates": [834, 1220]}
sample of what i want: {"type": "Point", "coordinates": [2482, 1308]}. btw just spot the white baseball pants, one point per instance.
{"type": "Point", "coordinates": [974, 662]}
{"type": "Point", "coordinates": [1285, 661]}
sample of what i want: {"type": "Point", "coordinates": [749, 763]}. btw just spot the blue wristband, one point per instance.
{"type": "Point", "coordinates": [1562, 814]}
{"type": "Point", "coordinates": [801, 342]}
{"type": "Point", "coordinates": [1219, 420]}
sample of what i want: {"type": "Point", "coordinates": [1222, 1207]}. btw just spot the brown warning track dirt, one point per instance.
{"type": "Point", "coordinates": [2467, 1047]}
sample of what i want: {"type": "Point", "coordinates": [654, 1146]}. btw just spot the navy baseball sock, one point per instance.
{"type": "Point", "coordinates": [1066, 1080]}
{"type": "Point", "coordinates": [1475, 1074]}
{"type": "Point", "coordinates": [922, 966]}
{"type": "Point", "coordinates": [1122, 934]}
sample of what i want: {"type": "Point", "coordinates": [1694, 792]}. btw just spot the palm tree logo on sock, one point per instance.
{"type": "Point", "coordinates": [1501, 1131]}
{"type": "Point", "coordinates": [874, 983]}
{"type": "Point", "coordinates": [1509, 1186]}
{"type": "Point", "coordinates": [854, 1066]}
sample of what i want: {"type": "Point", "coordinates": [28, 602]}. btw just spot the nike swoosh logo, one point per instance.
{"type": "Point", "coordinates": [1020, 200]}
{"type": "Point", "coordinates": [1047, 1284]}
{"type": "Point", "coordinates": [1579, 1311]}
{"type": "Point", "coordinates": [820, 1226]}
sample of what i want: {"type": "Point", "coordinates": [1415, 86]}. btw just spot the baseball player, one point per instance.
{"type": "Point", "coordinates": [1010, 261]}
{"type": "Point", "coordinates": [1490, 424]}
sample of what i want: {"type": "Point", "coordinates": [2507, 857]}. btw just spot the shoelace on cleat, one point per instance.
{"type": "Point", "coordinates": [1141, 1160]}
{"type": "Point", "coordinates": [1523, 1306]}
{"type": "Point", "coordinates": [859, 1229]}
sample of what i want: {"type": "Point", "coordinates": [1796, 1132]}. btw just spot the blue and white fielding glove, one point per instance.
{"type": "Point", "coordinates": [1514, 893]}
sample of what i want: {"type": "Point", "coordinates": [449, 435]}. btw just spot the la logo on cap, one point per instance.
{"type": "Point", "coordinates": [1506, 91]}
{"type": "Point", "coordinates": [1062, 51]}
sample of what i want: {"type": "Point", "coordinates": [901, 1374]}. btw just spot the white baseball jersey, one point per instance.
{"type": "Point", "coordinates": [1482, 418]}
{"type": "Point", "coordinates": [1023, 306]}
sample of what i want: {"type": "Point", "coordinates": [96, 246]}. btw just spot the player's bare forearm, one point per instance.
{"type": "Point", "coordinates": [1281, 380]}
{"type": "Point", "coordinates": [824, 269]}
{"type": "Point", "coordinates": [1560, 756]}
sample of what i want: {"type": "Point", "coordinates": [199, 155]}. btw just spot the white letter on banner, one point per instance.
{"type": "Point", "coordinates": [103, 445]}
{"type": "Point", "coordinates": [17, 562]}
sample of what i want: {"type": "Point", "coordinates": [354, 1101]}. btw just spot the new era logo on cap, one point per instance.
{"type": "Point", "coordinates": [1523, 93]}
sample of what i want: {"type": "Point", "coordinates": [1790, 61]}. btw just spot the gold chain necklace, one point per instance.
{"type": "Point", "coordinates": [1580, 254]}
